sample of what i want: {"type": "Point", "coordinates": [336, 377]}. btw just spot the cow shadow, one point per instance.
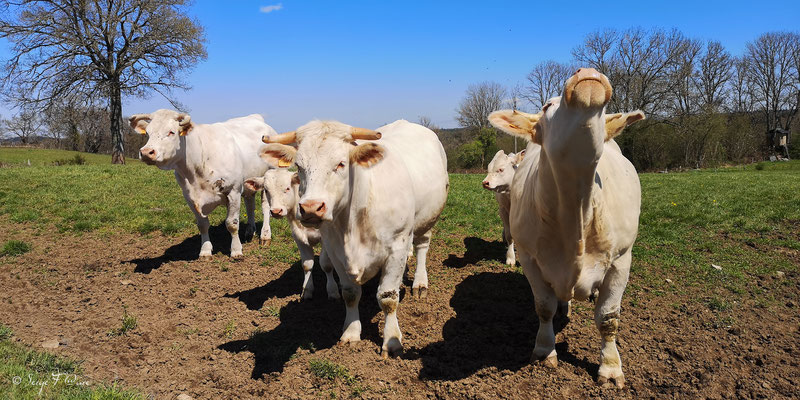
{"type": "Point", "coordinates": [189, 248]}
{"type": "Point", "coordinates": [495, 326]}
{"type": "Point", "coordinates": [477, 250]}
{"type": "Point", "coordinates": [311, 324]}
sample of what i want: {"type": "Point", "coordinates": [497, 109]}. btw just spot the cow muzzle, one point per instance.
{"type": "Point", "coordinates": [312, 212]}
{"type": "Point", "coordinates": [486, 185]}
{"type": "Point", "coordinates": [277, 212]}
{"type": "Point", "coordinates": [587, 88]}
{"type": "Point", "coordinates": [148, 155]}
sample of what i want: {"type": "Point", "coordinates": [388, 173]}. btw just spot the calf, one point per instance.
{"type": "Point", "coordinates": [498, 180]}
{"type": "Point", "coordinates": [279, 195]}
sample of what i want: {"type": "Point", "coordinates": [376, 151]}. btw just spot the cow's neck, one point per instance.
{"type": "Point", "coordinates": [564, 192]}
{"type": "Point", "coordinates": [191, 168]}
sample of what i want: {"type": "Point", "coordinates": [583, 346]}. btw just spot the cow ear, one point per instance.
{"type": "Point", "coordinates": [278, 155]}
{"type": "Point", "coordinates": [185, 123]}
{"type": "Point", "coordinates": [295, 179]}
{"type": "Point", "coordinates": [254, 184]}
{"type": "Point", "coordinates": [517, 123]}
{"type": "Point", "coordinates": [139, 122]}
{"type": "Point", "coordinates": [367, 154]}
{"type": "Point", "coordinates": [616, 123]}
{"type": "Point", "coordinates": [519, 158]}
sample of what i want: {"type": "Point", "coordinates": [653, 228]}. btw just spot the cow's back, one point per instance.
{"type": "Point", "coordinates": [242, 138]}
{"type": "Point", "coordinates": [422, 154]}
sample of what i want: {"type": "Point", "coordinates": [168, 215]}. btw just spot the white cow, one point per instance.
{"type": "Point", "coordinates": [368, 198]}
{"type": "Point", "coordinates": [575, 210]}
{"type": "Point", "coordinates": [498, 180]}
{"type": "Point", "coordinates": [280, 196]}
{"type": "Point", "coordinates": [210, 162]}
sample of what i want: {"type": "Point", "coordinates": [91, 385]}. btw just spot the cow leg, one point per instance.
{"type": "Point", "coordinates": [250, 206]}
{"type": "Point", "coordinates": [232, 223]}
{"type": "Point", "coordinates": [606, 317]}
{"type": "Point", "coordinates": [546, 304]}
{"type": "Point", "coordinates": [331, 286]}
{"type": "Point", "coordinates": [205, 240]}
{"type": "Point", "coordinates": [419, 289]}
{"type": "Point", "coordinates": [351, 292]}
{"type": "Point", "coordinates": [307, 259]}
{"type": "Point", "coordinates": [411, 246]}
{"type": "Point", "coordinates": [511, 258]}
{"type": "Point", "coordinates": [389, 299]}
{"type": "Point", "coordinates": [266, 233]}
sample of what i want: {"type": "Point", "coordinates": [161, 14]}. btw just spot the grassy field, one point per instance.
{"type": "Point", "coordinates": [690, 220]}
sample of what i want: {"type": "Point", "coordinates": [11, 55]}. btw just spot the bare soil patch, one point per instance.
{"type": "Point", "coordinates": [223, 329]}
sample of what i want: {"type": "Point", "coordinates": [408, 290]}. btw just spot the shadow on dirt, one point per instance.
{"type": "Point", "coordinates": [477, 250]}
{"type": "Point", "coordinates": [189, 248]}
{"type": "Point", "coordinates": [312, 325]}
{"type": "Point", "coordinates": [495, 326]}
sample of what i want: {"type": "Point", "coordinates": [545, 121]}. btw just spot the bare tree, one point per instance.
{"type": "Point", "coordinates": [597, 51]}
{"type": "Point", "coordinates": [546, 80]}
{"type": "Point", "coordinates": [715, 72]}
{"type": "Point", "coordinates": [772, 72]}
{"type": "Point", "coordinates": [480, 100]}
{"type": "Point", "coordinates": [108, 48]}
{"type": "Point", "coordinates": [425, 121]}
{"type": "Point", "coordinates": [740, 87]}
{"type": "Point", "coordinates": [24, 126]}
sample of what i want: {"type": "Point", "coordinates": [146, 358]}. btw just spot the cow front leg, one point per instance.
{"type": "Point", "coordinates": [250, 206]}
{"type": "Point", "coordinates": [389, 299]}
{"type": "Point", "coordinates": [606, 317]}
{"type": "Point", "coordinates": [232, 223]}
{"type": "Point", "coordinates": [546, 303]}
{"type": "Point", "coordinates": [419, 289]}
{"type": "Point", "coordinates": [330, 285]}
{"type": "Point", "coordinates": [265, 238]}
{"type": "Point", "coordinates": [511, 258]}
{"type": "Point", "coordinates": [351, 292]}
{"type": "Point", "coordinates": [205, 240]}
{"type": "Point", "coordinates": [307, 259]}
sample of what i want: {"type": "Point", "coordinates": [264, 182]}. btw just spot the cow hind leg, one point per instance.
{"type": "Point", "coordinates": [351, 292]}
{"type": "Point", "coordinates": [330, 285]}
{"type": "Point", "coordinates": [389, 299]}
{"type": "Point", "coordinates": [250, 206]}
{"type": "Point", "coordinates": [232, 223]}
{"type": "Point", "coordinates": [546, 303]}
{"type": "Point", "coordinates": [265, 238]}
{"type": "Point", "coordinates": [307, 259]}
{"type": "Point", "coordinates": [606, 317]}
{"type": "Point", "coordinates": [419, 288]}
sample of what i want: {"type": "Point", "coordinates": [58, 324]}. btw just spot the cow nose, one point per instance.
{"type": "Point", "coordinates": [148, 153]}
{"type": "Point", "coordinates": [486, 184]}
{"type": "Point", "coordinates": [276, 212]}
{"type": "Point", "coordinates": [316, 208]}
{"type": "Point", "coordinates": [587, 88]}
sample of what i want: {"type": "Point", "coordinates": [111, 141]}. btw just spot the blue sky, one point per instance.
{"type": "Point", "coordinates": [367, 63]}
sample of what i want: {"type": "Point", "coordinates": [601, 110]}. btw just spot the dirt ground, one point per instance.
{"type": "Point", "coordinates": [227, 330]}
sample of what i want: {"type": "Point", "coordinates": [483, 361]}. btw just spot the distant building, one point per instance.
{"type": "Point", "coordinates": [778, 140]}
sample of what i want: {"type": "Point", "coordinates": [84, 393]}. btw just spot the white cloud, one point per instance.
{"type": "Point", "coordinates": [269, 9]}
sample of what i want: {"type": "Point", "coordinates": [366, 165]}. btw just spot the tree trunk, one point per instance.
{"type": "Point", "coordinates": [117, 142]}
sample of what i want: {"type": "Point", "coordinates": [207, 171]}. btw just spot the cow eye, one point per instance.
{"type": "Point", "coordinates": [170, 133]}
{"type": "Point", "coordinates": [340, 166]}
{"type": "Point", "coordinates": [500, 170]}
{"type": "Point", "coordinates": [287, 190]}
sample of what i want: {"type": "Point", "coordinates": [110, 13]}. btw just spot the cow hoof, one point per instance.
{"type": "Point", "coordinates": [306, 295]}
{"type": "Point", "coordinates": [393, 348]}
{"type": "Point", "coordinates": [264, 242]}
{"type": "Point", "coordinates": [419, 293]}
{"type": "Point", "coordinates": [610, 382]}
{"type": "Point", "coordinates": [510, 262]}
{"type": "Point", "coordinates": [205, 257]}
{"type": "Point", "coordinates": [237, 256]}
{"type": "Point", "coordinates": [549, 362]}
{"type": "Point", "coordinates": [334, 295]}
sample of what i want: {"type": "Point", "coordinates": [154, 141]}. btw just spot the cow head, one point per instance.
{"type": "Point", "coordinates": [573, 127]}
{"type": "Point", "coordinates": [325, 157]}
{"type": "Point", "coordinates": [280, 187]}
{"type": "Point", "coordinates": [501, 171]}
{"type": "Point", "coordinates": [165, 130]}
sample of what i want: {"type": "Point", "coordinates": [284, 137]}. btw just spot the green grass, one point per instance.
{"type": "Point", "coordinates": [128, 324]}
{"type": "Point", "coordinates": [14, 248]}
{"type": "Point", "coordinates": [30, 374]}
